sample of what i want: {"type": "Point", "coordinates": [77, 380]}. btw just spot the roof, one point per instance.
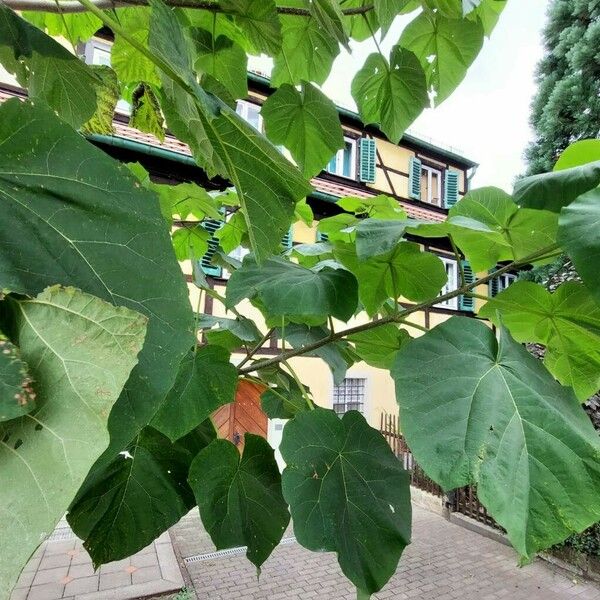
{"type": "Point", "coordinates": [336, 190]}
{"type": "Point", "coordinates": [172, 149]}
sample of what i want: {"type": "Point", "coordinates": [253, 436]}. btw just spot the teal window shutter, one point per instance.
{"type": "Point", "coordinates": [414, 178]}
{"type": "Point", "coordinates": [466, 302]}
{"type": "Point", "coordinates": [493, 287]}
{"type": "Point", "coordinates": [288, 239]}
{"type": "Point", "coordinates": [450, 189]}
{"type": "Point", "coordinates": [322, 237]}
{"type": "Point", "coordinates": [368, 160]}
{"type": "Point", "coordinates": [211, 225]}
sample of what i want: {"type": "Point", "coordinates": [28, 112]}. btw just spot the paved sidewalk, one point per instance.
{"type": "Point", "coordinates": [444, 561]}
{"type": "Point", "coordinates": [61, 569]}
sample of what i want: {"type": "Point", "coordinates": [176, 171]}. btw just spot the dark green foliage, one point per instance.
{"type": "Point", "coordinates": [567, 105]}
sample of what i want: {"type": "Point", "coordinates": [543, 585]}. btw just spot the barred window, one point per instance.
{"type": "Point", "coordinates": [349, 395]}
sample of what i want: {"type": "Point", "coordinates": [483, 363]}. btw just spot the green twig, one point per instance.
{"type": "Point", "coordinates": [401, 315]}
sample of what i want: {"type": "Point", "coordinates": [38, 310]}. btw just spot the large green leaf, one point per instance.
{"type": "Point", "coordinates": [405, 271]}
{"type": "Point", "coordinates": [487, 12]}
{"type": "Point", "coordinates": [76, 28]}
{"type": "Point", "coordinates": [378, 236]}
{"type": "Point", "coordinates": [360, 26]}
{"type": "Point", "coordinates": [284, 401]}
{"type": "Point", "coordinates": [222, 58]}
{"type": "Point", "coordinates": [579, 236]}
{"type": "Point", "coordinates": [50, 72]}
{"type": "Point", "coordinates": [240, 498]}
{"type": "Point", "coordinates": [579, 153]}
{"type": "Point", "coordinates": [328, 15]}
{"type": "Point", "coordinates": [97, 229]}
{"type": "Point", "coordinates": [552, 191]}
{"type": "Point", "coordinates": [335, 354]}
{"type": "Point", "coordinates": [145, 112]}
{"type": "Point", "coordinates": [17, 397]}
{"type": "Point", "coordinates": [347, 493]}
{"type": "Point", "coordinates": [378, 347]}
{"type": "Point", "coordinates": [107, 96]}
{"type": "Point", "coordinates": [190, 242]}
{"type": "Point", "coordinates": [129, 63]}
{"type": "Point", "coordinates": [80, 351]}
{"type": "Point", "coordinates": [446, 48]}
{"type": "Point", "coordinates": [475, 409]}
{"type": "Point", "coordinates": [140, 495]}
{"type": "Point", "coordinates": [306, 122]}
{"type": "Point", "coordinates": [259, 21]}
{"type": "Point", "coordinates": [388, 10]}
{"type": "Point", "coordinates": [206, 381]}
{"type": "Point", "coordinates": [567, 322]}
{"type": "Point", "coordinates": [267, 184]}
{"type": "Point", "coordinates": [391, 94]}
{"type": "Point", "coordinates": [289, 290]}
{"type": "Point", "coordinates": [307, 52]}
{"type": "Point", "coordinates": [489, 227]}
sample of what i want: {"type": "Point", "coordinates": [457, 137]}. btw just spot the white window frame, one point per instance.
{"type": "Point", "coordinates": [430, 171]}
{"type": "Point", "coordinates": [365, 393]}
{"type": "Point", "coordinates": [339, 159]}
{"type": "Point", "coordinates": [505, 280]}
{"type": "Point", "coordinates": [451, 284]}
{"type": "Point", "coordinates": [242, 108]}
{"type": "Point", "coordinates": [123, 106]}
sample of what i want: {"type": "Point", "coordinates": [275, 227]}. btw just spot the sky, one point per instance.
{"type": "Point", "coordinates": [487, 117]}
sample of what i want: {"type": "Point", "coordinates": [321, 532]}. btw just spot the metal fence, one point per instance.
{"type": "Point", "coordinates": [462, 500]}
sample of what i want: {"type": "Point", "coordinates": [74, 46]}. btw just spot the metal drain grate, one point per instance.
{"type": "Point", "coordinates": [229, 552]}
{"type": "Point", "coordinates": [60, 535]}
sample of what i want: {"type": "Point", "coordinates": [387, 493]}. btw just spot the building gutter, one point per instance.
{"type": "Point", "coordinates": [147, 149]}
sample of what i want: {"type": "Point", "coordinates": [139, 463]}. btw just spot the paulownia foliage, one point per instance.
{"type": "Point", "coordinates": [80, 351]}
{"type": "Point", "coordinates": [94, 228]}
{"type": "Point", "coordinates": [403, 271]}
{"type": "Point", "coordinates": [17, 397]}
{"type": "Point", "coordinates": [347, 493]}
{"type": "Point", "coordinates": [306, 122]}
{"type": "Point", "coordinates": [52, 74]}
{"type": "Point", "coordinates": [503, 423]}
{"type": "Point", "coordinates": [140, 495]}
{"type": "Point", "coordinates": [579, 235]}
{"type": "Point", "coordinates": [299, 294]}
{"type": "Point", "coordinates": [566, 322]}
{"type": "Point", "coordinates": [240, 497]}
{"type": "Point", "coordinates": [391, 93]}
{"type": "Point", "coordinates": [206, 380]}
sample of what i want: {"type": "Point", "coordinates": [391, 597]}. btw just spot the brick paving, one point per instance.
{"type": "Point", "coordinates": [444, 561]}
{"type": "Point", "coordinates": [61, 569]}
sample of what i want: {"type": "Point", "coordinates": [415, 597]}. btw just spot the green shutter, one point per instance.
{"type": "Point", "coordinates": [414, 178]}
{"type": "Point", "coordinates": [368, 160]}
{"type": "Point", "coordinates": [493, 286]}
{"type": "Point", "coordinates": [466, 302]}
{"type": "Point", "coordinates": [322, 237]}
{"type": "Point", "coordinates": [450, 189]}
{"type": "Point", "coordinates": [211, 226]}
{"type": "Point", "coordinates": [288, 239]}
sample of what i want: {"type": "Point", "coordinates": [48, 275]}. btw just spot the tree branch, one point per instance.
{"type": "Point", "coordinates": [74, 6]}
{"type": "Point", "coordinates": [399, 317]}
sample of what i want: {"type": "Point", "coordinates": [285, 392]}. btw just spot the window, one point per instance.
{"type": "Point", "coordinates": [431, 185]}
{"type": "Point", "coordinates": [349, 395]}
{"type": "Point", "coordinates": [250, 112]}
{"type": "Point", "coordinates": [451, 284]}
{"type": "Point", "coordinates": [97, 52]}
{"type": "Point", "coordinates": [500, 283]}
{"type": "Point", "coordinates": [344, 162]}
